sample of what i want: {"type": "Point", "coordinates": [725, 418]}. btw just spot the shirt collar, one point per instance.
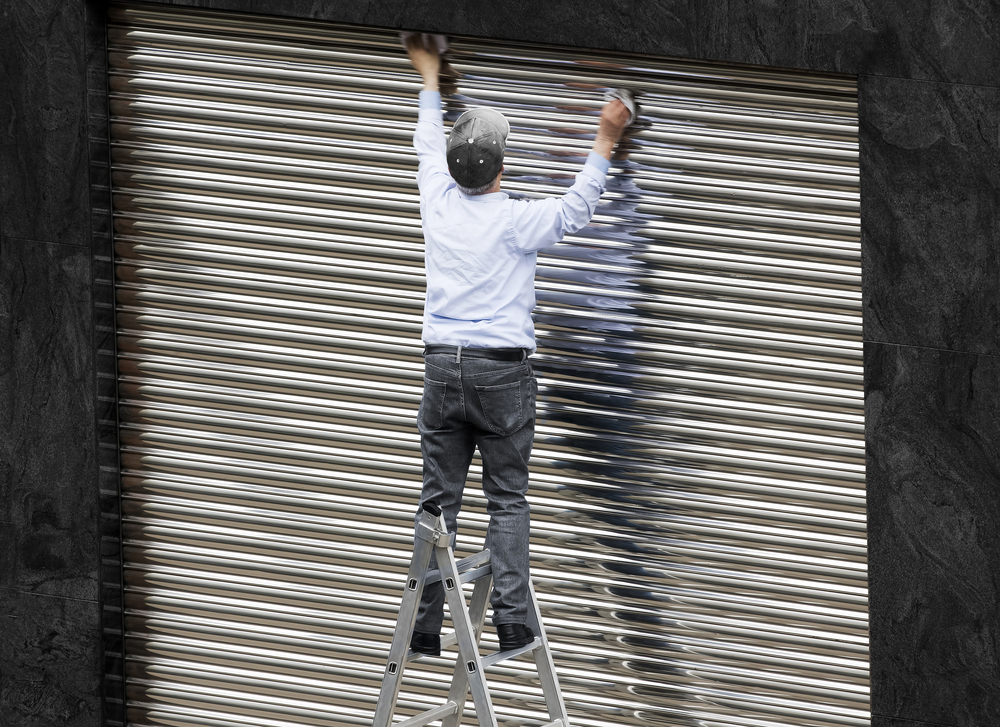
{"type": "Point", "coordinates": [491, 197]}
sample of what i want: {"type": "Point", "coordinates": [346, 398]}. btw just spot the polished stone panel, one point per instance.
{"type": "Point", "coordinates": [44, 187]}
{"type": "Point", "coordinates": [5, 477]}
{"type": "Point", "coordinates": [6, 428]}
{"type": "Point", "coordinates": [957, 41]}
{"type": "Point", "coordinates": [933, 443]}
{"type": "Point", "coordinates": [663, 28]}
{"type": "Point", "coordinates": [49, 650]}
{"type": "Point", "coordinates": [880, 721]}
{"type": "Point", "coordinates": [930, 213]}
{"type": "Point", "coordinates": [46, 370]}
{"type": "Point", "coordinates": [845, 36]}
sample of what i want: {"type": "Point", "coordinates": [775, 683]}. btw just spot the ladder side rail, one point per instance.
{"type": "Point", "coordinates": [460, 679]}
{"type": "Point", "coordinates": [544, 664]}
{"type": "Point", "coordinates": [468, 648]}
{"type": "Point", "coordinates": [424, 541]}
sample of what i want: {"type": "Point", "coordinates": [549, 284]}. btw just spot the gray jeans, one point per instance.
{"type": "Point", "coordinates": [490, 405]}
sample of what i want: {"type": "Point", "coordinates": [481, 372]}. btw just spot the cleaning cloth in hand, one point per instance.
{"type": "Point", "coordinates": [430, 39]}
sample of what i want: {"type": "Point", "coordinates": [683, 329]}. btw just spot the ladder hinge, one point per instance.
{"type": "Point", "coordinates": [424, 532]}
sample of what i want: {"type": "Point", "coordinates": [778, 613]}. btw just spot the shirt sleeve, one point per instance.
{"type": "Point", "coordinates": [433, 178]}
{"type": "Point", "coordinates": [542, 223]}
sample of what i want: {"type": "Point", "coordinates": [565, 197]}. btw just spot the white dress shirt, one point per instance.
{"type": "Point", "coordinates": [480, 251]}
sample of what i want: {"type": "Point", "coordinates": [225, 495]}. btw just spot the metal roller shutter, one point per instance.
{"type": "Point", "coordinates": [698, 480]}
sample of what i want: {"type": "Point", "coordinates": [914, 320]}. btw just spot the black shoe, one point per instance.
{"type": "Point", "coordinates": [429, 644]}
{"type": "Point", "coordinates": [513, 636]}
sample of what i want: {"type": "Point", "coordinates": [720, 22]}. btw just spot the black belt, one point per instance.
{"type": "Point", "coordinates": [493, 354]}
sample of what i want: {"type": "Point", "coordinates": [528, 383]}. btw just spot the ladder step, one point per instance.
{"type": "Point", "coordinates": [498, 656]}
{"type": "Point", "coordinates": [555, 723]}
{"type": "Point", "coordinates": [470, 575]}
{"type": "Point", "coordinates": [432, 714]}
{"type": "Point", "coordinates": [447, 641]}
{"type": "Point", "coordinates": [475, 575]}
{"type": "Point", "coordinates": [475, 560]}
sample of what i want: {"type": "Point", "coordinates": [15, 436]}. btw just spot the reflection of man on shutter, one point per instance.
{"type": "Point", "coordinates": [479, 389]}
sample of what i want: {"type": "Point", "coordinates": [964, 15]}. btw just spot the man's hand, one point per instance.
{"type": "Point", "coordinates": [614, 116]}
{"type": "Point", "coordinates": [425, 60]}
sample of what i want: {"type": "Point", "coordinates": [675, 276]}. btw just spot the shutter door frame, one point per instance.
{"type": "Point", "coordinates": [698, 477]}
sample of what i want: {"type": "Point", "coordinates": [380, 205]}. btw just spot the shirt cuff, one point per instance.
{"type": "Point", "coordinates": [597, 169]}
{"type": "Point", "coordinates": [596, 160]}
{"type": "Point", "coordinates": [430, 100]}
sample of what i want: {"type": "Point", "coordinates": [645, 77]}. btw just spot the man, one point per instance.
{"type": "Point", "coordinates": [479, 389]}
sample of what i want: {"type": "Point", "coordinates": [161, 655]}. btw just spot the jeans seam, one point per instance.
{"type": "Point", "coordinates": [461, 392]}
{"type": "Point", "coordinates": [453, 374]}
{"type": "Point", "coordinates": [522, 366]}
{"type": "Point", "coordinates": [439, 413]}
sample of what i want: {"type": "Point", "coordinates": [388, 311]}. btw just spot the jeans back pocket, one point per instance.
{"type": "Point", "coordinates": [502, 407]}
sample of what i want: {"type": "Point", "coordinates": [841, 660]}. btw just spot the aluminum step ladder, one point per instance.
{"type": "Point", "coordinates": [432, 536]}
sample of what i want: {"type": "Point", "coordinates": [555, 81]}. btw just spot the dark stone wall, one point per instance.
{"type": "Point", "coordinates": [936, 40]}
{"type": "Point", "coordinates": [55, 373]}
{"type": "Point", "coordinates": [930, 216]}
{"type": "Point", "coordinates": [934, 534]}
{"type": "Point", "coordinates": [48, 544]}
{"type": "Point", "coordinates": [929, 98]}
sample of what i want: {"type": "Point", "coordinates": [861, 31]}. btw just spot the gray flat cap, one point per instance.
{"type": "Point", "coordinates": [476, 146]}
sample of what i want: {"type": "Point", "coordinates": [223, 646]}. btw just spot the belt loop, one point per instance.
{"type": "Point", "coordinates": [524, 354]}
{"type": "Point", "coordinates": [458, 354]}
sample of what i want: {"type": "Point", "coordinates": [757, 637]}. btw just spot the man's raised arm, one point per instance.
{"type": "Point", "coordinates": [543, 223]}
{"type": "Point", "coordinates": [432, 174]}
